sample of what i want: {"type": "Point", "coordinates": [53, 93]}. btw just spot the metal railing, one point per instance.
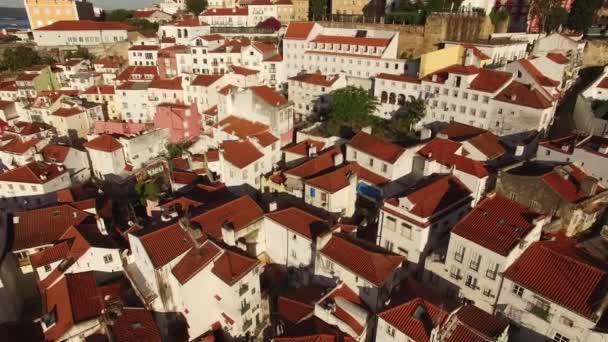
{"type": "Point", "coordinates": [539, 311]}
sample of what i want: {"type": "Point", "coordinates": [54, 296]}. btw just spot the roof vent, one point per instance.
{"type": "Point", "coordinates": [513, 97]}
{"type": "Point", "coordinates": [15, 219]}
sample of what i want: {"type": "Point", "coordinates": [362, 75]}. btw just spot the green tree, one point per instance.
{"type": "Point", "coordinates": [177, 150]}
{"type": "Point", "coordinates": [498, 16]}
{"type": "Point", "coordinates": [318, 9]}
{"type": "Point", "coordinates": [558, 17]}
{"type": "Point", "coordinates": [196, 6]}
{"type": "Point", "coordinates": [80, 52]}
{"type": "Point", "coordinates": [19, 57]}
{"type": "Point", "coordinates": [143, 24]}
{"type": "Point", "coordinates": [147, 191]}
{"type": "Point", "coordinates": [352, 107]}
{"type": "Point", "coordinates": [121, 15]}
{"type": "Point", "coordinates": [581, 14]}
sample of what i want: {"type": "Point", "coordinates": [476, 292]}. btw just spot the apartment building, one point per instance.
{"type": "Point", "coordinates": [81, 33]}
{"type": "Point", "coordinates": [46, 12]}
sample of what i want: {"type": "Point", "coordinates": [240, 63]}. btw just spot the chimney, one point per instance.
{"type": "Point", "coordinates": [434, 78]}
{"type": "Point", "coordinates": [513, 97]}
{"type": "Point", "coordinates": [338, 159]}
{"type": "Point", "coordinates": [565, 147]}
{"type": "Point", "coordinates": [603, 149]}
{"type": "Point", "coordinates": [312, 150]}
{"type": "Point", "coordinates": [272, 206]}
{"type": "Point", "coordinates": [43, 176]}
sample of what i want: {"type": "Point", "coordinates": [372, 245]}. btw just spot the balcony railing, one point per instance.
{"type": "Point", "coordinates": [245, 308]}
{"type": "Point", "coordinates": [243, 289]}
{"type": "Point", "coordinates": [538, 311]}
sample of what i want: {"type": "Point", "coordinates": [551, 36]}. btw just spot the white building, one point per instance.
{"type": "Point", "coordinates": [184, 30]}
{"type": "Point", "coordinates": [393, 92]}
{"type": "Point", "coordinates": [74, 160]}
{"type": "Point", "coordinates": [227, 17]}
{"type": "Point", "coordinates": [483, 245]}
{"type": "Point", "coordinates": [498, 51]}
{"type": "Point", "coordinates": [132, 102]}
{"type": "Point", "coordinates": [143, 55]}
{"type": "Point", "coordinates": [414, 222]}
{"type": "Point", "coordinates": [33, 179]}
{"type": "Point", "coordinates": [369, 270]}
{"type": "Point", "coordinates": [310, 47]}
{"type": "Point", "coordinates": [311, 92]}
{"type": "Point", "coordinates": [598, 89]}
{"type": "Point", "coordinates": [242, 162]}
{"type": "Point", "coordinates": [564, 302]}
{"type": "Point", "coordinates": [107, 157]}
{"type": "Point", "coordinates": [81, 33]}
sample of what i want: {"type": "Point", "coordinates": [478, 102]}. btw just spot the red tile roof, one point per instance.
{"type": "Point", "coordinates": [144, 48]}
{"type": "Point", "coordinates": [403, 319]}
{"type": "Point", "coordinates": [241, 128]}
{"type": "Point", "coordinates": [141, 71]}
{"type": "Point", "coordinates": [33, 173]}
{"type": "Point", "coordinates": [29, 233]}
{"type": "Point", "coordinates": [181, 177]}
{"type": "Point", "coordinates": [4, 104]}
{"type": "Point", "coordinates": [195, 261]}
{"type": "Point", "coordinates": [29, 128]}
{"type": "Point", "coordinates": [237, 214]}
{"type": "Point", "coordinates": [435, 193]}
{"type": "Point", "coordinates": [192, 22]}
{"type": "Point", "coordinates": [368, 261]}
{"type": "Point", "coordinates": [165, 244]}
{"type": "Point", "coordinates": [243, 71]}
{"type": "Point", "coordinates": [240, 11]}
{"type": "Point", "coordinates": [316, 79]}
{"type": "Point", "coordinates": [50, 255]}
{"type": "Point", "coordinates": [478, 53]}
{"type": "Point", "coordinates": [537, 74]}
{"type": "Point", "coordinates": [205, 80]}
{"type": "Point", "coordinates": [398, 78]}
{"type": "Point", "coordinates": [443, 151]}
{"type": "Point", "coordinates": [265, 46]}
{"type": "Point", "coordinates": [275, 58]}
{"type": "Point", "coordinates": [232, 266]}
{"type": "Point", "coordinates": [338, 179]}
{"type": "Point", "coordinates": [376, 147]}
{"type": "Point", "coordinates": [135, 324]}
{"type": "Point", "coordinates": [67, 112]}
{"type": "Point", "coordinates": [523, 95]}
{"type": "Point", "coordinates": [292, 310]}
{"type": "Point", "coordinates": [85, 25]}
{"type": "Point", "coordinates": [570, 277]}
{"type": "Point", "coordinates": [490, 81]}
{"type": "Point", "coordinates": [566, 183]}
{"type": "Point", "coordinates": [303, 146]}
{"type": "Point", "coordinates": [265, 138]}
{"type": "Point", "coordinates": [485, 141]}
{"type": "Point", "coordinates": [300, 221]}
{"type": "Point", "coordinates": [472, 324]}
{"type": "Point", "coordinates": [55, 153]}
{"type": "Point", "coordinates": [323, 161]}
{"type": "Point", "coordinates": [298, 30]}
{"type": "Point", "coordinates": [497, 224]}
{"type": "Point", "coordinates": [346, 293]}
{"type": "Point", "coordinates": [603, 83]}
{"type": "Point", "coordinates": [19, 146]}
{"type": "Point", "coordinates": [240, 153]}
{"type": "Point", "coordinates": [172, 84]}
{"type": "Point", "coordinates": [212, 37]}
{"type": "Point", "coordinates": [101, 89]}
{"type": "Point", "coordinates": [441, 75]}
{"type": "Point", "coordinates": [105, 143]}
{"type": "Point", "coordinates": [363, 41]}
{"type": "Point", "coordinates": [558, 58]}
{"type": "Point", "coordinates": [269, 95]}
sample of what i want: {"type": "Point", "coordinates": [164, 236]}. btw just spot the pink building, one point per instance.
{"type": "Point", "coordinates": [184, 122]}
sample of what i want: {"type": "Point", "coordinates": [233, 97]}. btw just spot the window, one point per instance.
{"type": "Point", "coordinates": [560, 338]}
{"type": "Point", "coordinates": [371, 162]}
{"type": "Point", "coordinates": [492, 270]}
{"type": "Point", "coordinates": [455, 272]}
{"type": "Point", "coordinates": [384, 167]}
{"type": "Point", "coordinates": [390, 330]}
{"type": "Point", "coordinates": [487, 292]}
{"type": "Point", "coordinates": [293, 253]}
{"type": "Point", "coordinates": [459, 255]}
{"type": "Point", "coordinates": [390, 224]}
{"type": "Point", "coordinates": [517, 290]}
{"type": "Point", "coordinates": [406, 230]}
{"type": "Point", "coordinates": [389, 245]}
{"type": "Point", "coordinates": [47, 268]}
{"type": "Point", "coordinates": [475, 260]}
{"type": "Point", "coordinates": [513, 196]}
{"type": "Point", "coordinates": [471, 282]}
{"type": "Point", "coordinates": [107, 258]}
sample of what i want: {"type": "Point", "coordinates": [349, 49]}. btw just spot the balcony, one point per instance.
{"type": "Point", "coordinates": [245, 307]}
{"type": "Point", "coordinates": [243, 289]}
{"type": "Point", "coordinates": [247, 324]}
{"type": "Point", "coordinates": [539, 311]}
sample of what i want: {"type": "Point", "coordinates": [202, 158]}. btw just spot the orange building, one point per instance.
{"type": "Point", "coordinates": [45, 12]}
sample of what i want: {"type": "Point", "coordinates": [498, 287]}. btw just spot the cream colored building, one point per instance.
{"type": "Point", "coordinates": [45, 12]}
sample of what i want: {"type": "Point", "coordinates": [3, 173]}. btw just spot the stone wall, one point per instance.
{"type": "Point", "coordinates": [596, 53]}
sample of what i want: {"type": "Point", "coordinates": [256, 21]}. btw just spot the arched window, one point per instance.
{"type": "Point", "coordinates": [401, 99]}
{"type": "Point", "coordinates": [391, 98]}
{"type": "Point", "coordinates": [383, 97]}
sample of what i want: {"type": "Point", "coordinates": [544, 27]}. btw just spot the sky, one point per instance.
{"type": "Point", "coordinates": [107, 4]}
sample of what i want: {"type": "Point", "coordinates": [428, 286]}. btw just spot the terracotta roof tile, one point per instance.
{"type": "Point", "coordinates": [298, 30]}
{"type": "Point", "coordinates": [243, 71]}
{"type": "Point", "coordinates": [490, 81]}
{"type": "Point", "coordinates": [603, 83]}
{"type": "Point", "coordinates": [232, 266]}
{"type": "Point", "coordinates": [19, 146]}
{"type": "Point", "coordinates": [172, 84]}
{"type": "Point", "coordinates": [50, 255]}
{"type": "Point", "coordinates": [85, 25]}
{"type": "Point", "coordinates": [105, 143]}
{"type": "Point", "coordinates": [363, 41]}
{"type": "Point", "coordinates": [300, 221]}
{"type": "Point", "coordinates": [316, 79]}
{"type": "Point", "coordinates": [205, 80]}
{"type": "Point", "coordinates": [472, 324]}
{"type": "Point", "coordinates": [403, 318]}
{"type": "Point", "coordinates": [67, 112]}
{"type": "Point", "coordinates": [239, 11]}
{"type": "Point", "coordinates": [376, 147]}
{"type": "Point", "coordinates": [338, 179]}
{"type": "Point", "coordinates": [398, 78]}
{"type": "Point", "coordinates": [292, 310]}
{"type": "Point", "coordinates": [54, 153]}
{"type": "Point", "coordinates": [443, 151]}
{"type": "Point", "coordinates": [269, 95]}
{"type": "Point", "coordinates": [165, 244]}
{"type": "Point", "coordinates": [195, 261]}
{"type": "Point", "coordinates": [368, 261]}
{"type": "Point", "coordinates": [567, 186]}
{"type": "Point", "coordinates": [523, 95]}
{"type": "Point", "coordinates": [242, 128]}
{"type": "Point", "coordinates": [497, 224]}
{"type": "Point", "coordinates": [570, 277]}
{"type": "Point", "coordinates": [33, 173]}
{"type": "Point", "coordinates": [537, 74]}
{"type": "Point", "coordinates": [237, 214]}
{"type": "Point", "coordinates": [135, 324]}
{"type": "Point", "coordinates": [303, 146]}
{"type": "Point", "coordinates": [101, 89]}
{"type": "Point", "coordinates": [240, 153]}
{"type": "Point", "coordinates": [558, 58]}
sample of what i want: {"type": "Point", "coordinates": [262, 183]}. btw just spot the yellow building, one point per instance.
{"type": "Point", "coordinates": [45, 12]}
{"type": "Point", "coordinates": [439, 59]}
{"type": "Point", "coordinates": [300, 8]}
